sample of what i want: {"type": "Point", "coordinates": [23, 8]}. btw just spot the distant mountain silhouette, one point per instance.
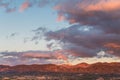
{"type": "Point", "coordinates": [98, 68]}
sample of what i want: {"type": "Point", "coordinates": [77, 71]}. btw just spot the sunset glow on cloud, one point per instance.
{"type": "Point", "coordinates": [66, 31]}
{"type": "Point", "coordinates": [24, 6]}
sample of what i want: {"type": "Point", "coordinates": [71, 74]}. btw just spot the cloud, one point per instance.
{"type": "Point", "coordinates": [85, 41]}
{"type": "Point", "coordinates": [3, 4]}
{"type": "Point", "coordinates": [10, 5]}
{"type": "Point", "coordinates": [60, 18]}
{"type": "Point", "coordinates": [98, 27]}
{"type": "Point", "coordinates": [37, 55]}
{"type": "Point", "coordinates": [95, 60]}
{"type": "Point", "coordinates": [113, 45]}
{"type": "Point", "coordinates": [9, 10]}
{"type": "Point", "coordinates": [32, 57]}
{"type": "Point", "coordinates": [98, 13]}
{"type": "Point", "coordinates": [24, 6]}
{"type": "Point", "coordinates": [13, 34]}
{"type": "Point", "coordinates": [38, 34]}
{"type": "Point", "coordinates": [43, 3]}
{"type": "Point", "coordinates": [45, 55]}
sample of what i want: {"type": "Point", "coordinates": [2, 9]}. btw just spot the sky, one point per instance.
{"type": "Point", "coordinates": [59, 31]}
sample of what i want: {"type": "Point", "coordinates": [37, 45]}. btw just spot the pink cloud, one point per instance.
{"type": "Point", "coordinates": [80, 8]}
{"type": "Point", "coordinates": [24, 6]}
{"type": "Point", "coordinates": [59, 55]}
{"type": "Point", "coordinates": [45, 55]}
{"type": "Point", "coordinates": [60, 18]}
{"type": "Point", "coordinates": [104, 5]}
{"type": "Point", "coordinates": [36, 55]}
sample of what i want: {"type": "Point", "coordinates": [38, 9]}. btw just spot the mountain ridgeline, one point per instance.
{"type": "Point", "coordinates": [96, 68]}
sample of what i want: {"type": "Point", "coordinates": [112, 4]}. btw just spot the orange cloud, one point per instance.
{"type": "Point", "coordinates": [112, 45]}
{"type": "Point", "coordinates": [50, 55]}
{"type": "Point", "coordinates": [85, 10]}
{"type": "Point", "coordinates": [36, 55]}
{"type": "Point", "coordinates": [103, 5]}
{"type": "Point", "coordinates": [60, 18]}
{"type": "Point", "coordinates": [24, 6]}
{"type": "Point", "coordinates": [58, 54]}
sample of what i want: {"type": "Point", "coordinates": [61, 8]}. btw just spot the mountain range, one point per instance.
{"type": "Point", "coordinates": [97, 68]}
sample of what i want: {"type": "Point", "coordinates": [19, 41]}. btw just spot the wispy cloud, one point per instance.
{"type": "Point", "coordinates": [28, 57]}
{"type": "Point", "coordinates": [24, 6]}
